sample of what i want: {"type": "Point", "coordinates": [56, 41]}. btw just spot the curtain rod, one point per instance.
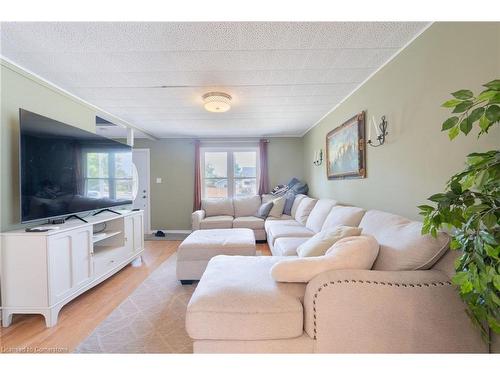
{"type": "Point", "coordinates": [231, 141]}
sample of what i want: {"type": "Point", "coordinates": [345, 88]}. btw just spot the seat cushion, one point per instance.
{"type": "Point", "coordinates": [319, 213]}
{"type": "Point", "coordinates": [247, 206]}
{"type": "Point", "coordinates": [205, 244]}
{"type": "Point", "coordinates": [216, 222]}
{"type": "Point", "coordinates": [251, 222]}
{"type": "Point", "coordinates": [304, 209]}
{"type": "Point", "coordinates": [343, 215]}
{"type": "Point", "coordinates": [217, 207]}
{"type": "Point", "coordinates": [402, 246]}
{"type": "Point", "coordinates": [287, 246]}
{"type": "Point", "coordinates": [279, 231]}
{"type": "Point", "coordinates": [237, 299]}
{"type": "Point", "coordinates": [285, 219]}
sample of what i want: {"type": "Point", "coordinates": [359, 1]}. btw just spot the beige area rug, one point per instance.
{"type": "Point", "coordinates": [150, 320]}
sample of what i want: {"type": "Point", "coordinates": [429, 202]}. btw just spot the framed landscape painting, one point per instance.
{"type": "Point", "coordinates": [345, 149]}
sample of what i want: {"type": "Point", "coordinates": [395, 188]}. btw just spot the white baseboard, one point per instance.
{"type": "Point", "coordinates": [173, 231]}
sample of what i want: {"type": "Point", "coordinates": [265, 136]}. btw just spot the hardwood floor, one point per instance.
{"type": "Point", "coordinates": [81, 316]}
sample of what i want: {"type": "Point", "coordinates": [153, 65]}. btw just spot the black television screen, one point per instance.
{"type": "Point", "coordinates": [65, 170]}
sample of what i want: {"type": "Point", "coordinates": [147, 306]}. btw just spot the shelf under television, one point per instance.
{"type": "Point", "coordinates": [97, 239]}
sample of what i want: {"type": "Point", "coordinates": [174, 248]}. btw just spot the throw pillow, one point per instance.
{"type": "Point", "coordinates": [296, 202]}
{"type": "Point", "coordinates": [264, 209]}
{"type": "Point", "coordinates": [318, 244]}
{"type": "Point", "coordinates": [351, 253]}
{"type": "Point", "coordinates": [278, 205]}
{"type": "Point", "coordinates": [289, 198]}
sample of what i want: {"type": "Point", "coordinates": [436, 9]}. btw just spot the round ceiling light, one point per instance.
{"type": "Point", "coordinates": [217, 101]}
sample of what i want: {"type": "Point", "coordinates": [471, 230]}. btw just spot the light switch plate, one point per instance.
{"type": "Point", "coordinates": [158, 180]}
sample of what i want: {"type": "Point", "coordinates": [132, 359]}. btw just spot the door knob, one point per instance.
{"type": "Point", "coordinates": [144, 196]}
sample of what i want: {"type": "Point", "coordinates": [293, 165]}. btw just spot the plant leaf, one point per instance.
{"type": "Point", "coordinates": [484, 123]}
{"type": "Point", "coordinates": [493, 113]}
{"type": "Point", "coordinates": [494, 85]}
{"type": "Point", "coordinates": [451, 103]}
{"type": "Point", "coordinates": [476, 114]}
{"type": "Point", "coordinates": [466, 126]}
{"type": "Point", "coordinates": [452, 134]}
{"type": "Point", "coordinates": [462, 107]}
{"type": "Point", "coordinates": [486, 95]}
{"type": "Point", "coordinates": [463, 94]}
{"type": "Point", "coordinates": [451, 122]}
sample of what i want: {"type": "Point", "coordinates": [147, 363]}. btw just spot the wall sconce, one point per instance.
{"type": "Point", "coordinates": [381, 130]}
{"type": "Point", "coordinates": [318, 158]}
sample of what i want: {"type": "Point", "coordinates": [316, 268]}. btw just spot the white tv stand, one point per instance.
{"type": "Point", "coordinates": [42, 271]}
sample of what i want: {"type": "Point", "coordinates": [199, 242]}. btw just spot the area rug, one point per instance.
{"type": "Point", "coordinates": [150, 320]}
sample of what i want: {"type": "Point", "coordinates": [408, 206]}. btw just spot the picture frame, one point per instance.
{"type": "Point", "coordinates": [346, 149]}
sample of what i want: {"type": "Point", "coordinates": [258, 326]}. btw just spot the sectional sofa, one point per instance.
{"type": "Point", "coordinates": [405, 303]}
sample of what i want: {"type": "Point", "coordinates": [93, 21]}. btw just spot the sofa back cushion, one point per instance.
{"type": "Point", "coordinates": [402, 246]}
{"type": "Point", "coordinates": [218, 207]}
{"type": "Point", "coordinates": [295, 205]}
{"type": "Point", "coordinates": [247, 206]}
{"type": "Point", "coordinates": [343, 215]}
{"type": "Point", "coordinates": [318, 244]}
{"type": "Point", "coordinates": [319, 213]}
{"type": "Point", "coordinates": [304, 209]}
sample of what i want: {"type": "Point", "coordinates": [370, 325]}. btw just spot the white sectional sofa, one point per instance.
{"type": "Point", "coordinates": [230, 213]}
{"type": "Point", "coordinates": [405, 303]}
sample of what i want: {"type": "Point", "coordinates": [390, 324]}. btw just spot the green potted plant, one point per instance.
{"type": "Point", "coordinates": [470, 209]}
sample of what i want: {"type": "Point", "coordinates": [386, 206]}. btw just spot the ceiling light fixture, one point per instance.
{"type": "Point", "coordinates": [217, 101]}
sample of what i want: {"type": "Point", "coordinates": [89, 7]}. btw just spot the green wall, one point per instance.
{"type": "Point", "coordinates": [417, 158]}
{"type": "Point", "coordinates": [19, 90]}
{"type": "Point", "coordinates": [173, 161]}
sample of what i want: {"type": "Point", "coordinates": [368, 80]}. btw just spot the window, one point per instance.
{"type": "Point", "coordinates": [107, 175]}
{"type": "Point", "coordinates": [229, 172]}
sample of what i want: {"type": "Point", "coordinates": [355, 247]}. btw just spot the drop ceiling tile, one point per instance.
{"type": "Point", "coordinates": [282, 76]}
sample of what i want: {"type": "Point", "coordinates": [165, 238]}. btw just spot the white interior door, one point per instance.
{"type": "Point", "coordinates": [140, 158]}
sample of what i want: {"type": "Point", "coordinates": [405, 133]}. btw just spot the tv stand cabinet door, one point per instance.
{"type": "Point", "coordinates": [70, 262]}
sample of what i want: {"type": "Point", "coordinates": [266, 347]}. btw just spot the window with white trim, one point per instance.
{"type": "Point", "coordinates": [229, 172]}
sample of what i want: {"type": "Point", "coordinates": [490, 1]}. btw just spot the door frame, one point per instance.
{"type": "Point", "coordinates": [148, 174]}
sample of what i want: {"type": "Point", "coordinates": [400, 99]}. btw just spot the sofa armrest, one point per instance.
{"type": "Point", "coordinates": [364, 311]}
{"type": "Point", "coordinates": [196, 218]}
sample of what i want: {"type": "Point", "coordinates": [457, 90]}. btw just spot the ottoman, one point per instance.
{"type": "Point", "coordinates": [199, 247]}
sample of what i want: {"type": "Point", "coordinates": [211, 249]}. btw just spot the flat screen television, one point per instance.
{"type": "Point", "coordinates": [65, 170]}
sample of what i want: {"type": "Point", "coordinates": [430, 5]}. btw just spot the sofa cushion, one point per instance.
{"type": "Point", "coordinates": [217, 222]}
{"type": "Point", "coordinates": [278, 205]}
{"type": "Point", "coordinates": [250, 222]}
{"type": "Point", "coordinates": [319, 213]}
{"type": "Point", "coordinates": [353, 253]}
{"type": "Point", "coordinates": [343, 215]}
{"type": "Point", "coordinates": [304, 209]}
{"type": "Point", "coordinates": [402, 246]}
{"type": "Point", "coordinates": [217, 207]}
{"type": "Point", "coordinates": [237, 299]}
{"type": "Point", "coordinates": [296, 202]}
{"type": "Point", "coordinates": [287, 246]}
{"type": "Point", "coordinates": [284, 220]}
{"type": "Point", "coordinates": [318, 244]}
{"type": "Point", "coordinates": [264, 209]}
{"type": "Point", "coordinates": [247, 206]}
{"type": "Point", "coordinates": [278, 231]}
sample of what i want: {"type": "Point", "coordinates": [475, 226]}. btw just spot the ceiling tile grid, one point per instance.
{"type": "Point", "coordinates": [283, 76]}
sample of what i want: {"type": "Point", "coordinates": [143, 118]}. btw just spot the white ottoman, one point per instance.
{"type": "Point", "coordinates": [199, 247]}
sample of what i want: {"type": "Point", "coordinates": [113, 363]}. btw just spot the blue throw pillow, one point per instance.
{"type": "Point", "coordinates": [264, 209]}
{"type": "Point", "coordinates": [289, 198]}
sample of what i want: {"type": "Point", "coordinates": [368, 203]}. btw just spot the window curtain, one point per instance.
{"type": "Point", "coordinates": [197, 177]}
{"type": "Point", "coordinates": [264, 174]}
